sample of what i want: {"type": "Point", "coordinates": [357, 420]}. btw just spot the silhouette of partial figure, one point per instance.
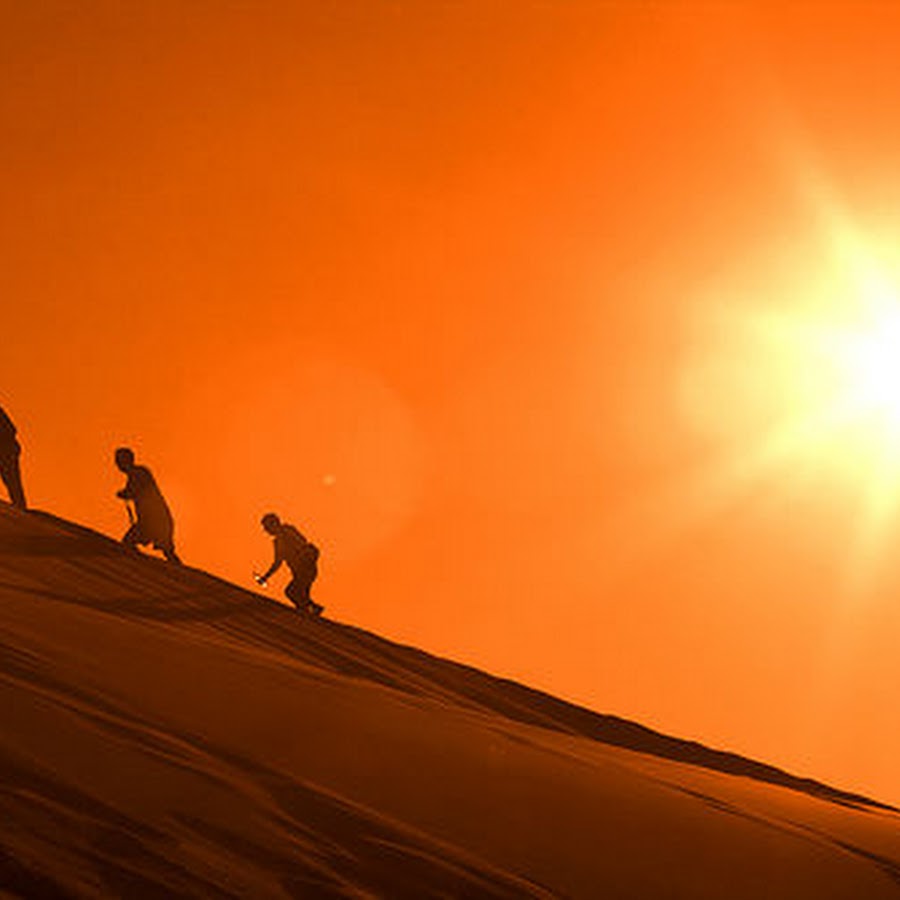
{"type": "Point", "coordinates": [10, 451]}
{"type": "Point", "coordinates": [151, 521]}
{"type": "Point", "coordinates": [302, 558]}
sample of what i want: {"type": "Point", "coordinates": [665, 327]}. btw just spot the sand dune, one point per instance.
{"type": "Point", "coordinates": [168, 734]}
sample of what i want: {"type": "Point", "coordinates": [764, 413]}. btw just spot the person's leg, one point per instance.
{"type": "Point", "coordinates": [298, 593]}
{"type": "Point", "coordinates": [295, 593]}
{"type": "Point", "coordinates": [12, 478]}
{"type": "Point", "coordinates": [315, 608]}
{"type": "Point", "coordinates": [6, 470]}
{"type": "Point", "coordinates": [132, 537]}
{"type": "Point", "coordinates": [170, 554]}
{"type": "Point", "coordinates": [17, 492]}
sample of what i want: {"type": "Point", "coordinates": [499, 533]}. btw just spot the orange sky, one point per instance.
{"type": "Point", "coordinates": [426, 279]}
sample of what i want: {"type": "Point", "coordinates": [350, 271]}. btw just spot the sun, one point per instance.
{"type": "Point", "coordinates": [870, 359]}
{"type": "Point", "coordinates": [798, 383]}
{"type": "Point", "coordinates": [825, 371]}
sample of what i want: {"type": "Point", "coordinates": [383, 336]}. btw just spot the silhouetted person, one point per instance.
{"type": "Point", "coordinates": [152, 522]}
{"type": "Point", "coordinates": [301, 557]}
{"type": "Point", "coordinates": [10, 451]}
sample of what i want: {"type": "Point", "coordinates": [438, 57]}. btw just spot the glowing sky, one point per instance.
{"type": "Point", "coordinates": [564, 329]}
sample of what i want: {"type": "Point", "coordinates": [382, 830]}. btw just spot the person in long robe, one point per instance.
{"type": "Point", "coordinates": [153, 523]}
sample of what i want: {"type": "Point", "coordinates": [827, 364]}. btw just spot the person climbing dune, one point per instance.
{"type": "Point", "coordinates": [301, 556]}
{"type": "Point", "coordinates": [152, 521]}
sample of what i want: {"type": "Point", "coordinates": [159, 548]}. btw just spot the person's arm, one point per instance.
{"type": "Point", "coordinates": [128, 492]}
{"type": "Point", "coordinates": [276, 565]}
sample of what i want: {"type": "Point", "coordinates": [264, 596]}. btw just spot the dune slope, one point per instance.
{"type": "Point", "coordinates": [168, 734]}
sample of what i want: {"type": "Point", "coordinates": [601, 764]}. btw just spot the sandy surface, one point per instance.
{"type": "Point", "coordinates": [167, 734]}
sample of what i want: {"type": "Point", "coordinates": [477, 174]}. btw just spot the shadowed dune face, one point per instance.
{"type": "Point", "coordinates": [165, 733]}
{"type": "Point", "coordinates": [304, 842]}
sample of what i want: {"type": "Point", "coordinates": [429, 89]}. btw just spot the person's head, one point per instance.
{"type": "Point", "coordinates": [271, 523]}
{"type": "Point", "coordinates": [125, 458]}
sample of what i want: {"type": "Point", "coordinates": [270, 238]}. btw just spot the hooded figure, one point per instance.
{"type": "Point", "coordinates": [152, 521]}
{"type": "Point", "coordinates": [10, 451]}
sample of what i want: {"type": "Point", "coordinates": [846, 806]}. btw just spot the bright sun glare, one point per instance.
{"type": "Point", "coordinates": [803, 386]}
{"type": "Point", "coordinates": [872, 369]}
{"type": "Point", "coordinates": [842, 369]}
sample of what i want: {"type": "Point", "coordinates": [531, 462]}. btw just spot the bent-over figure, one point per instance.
{"type": "Point", "coordinates": [152, 521]}
{"type": "Point", "coordinates": [302, 558]}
